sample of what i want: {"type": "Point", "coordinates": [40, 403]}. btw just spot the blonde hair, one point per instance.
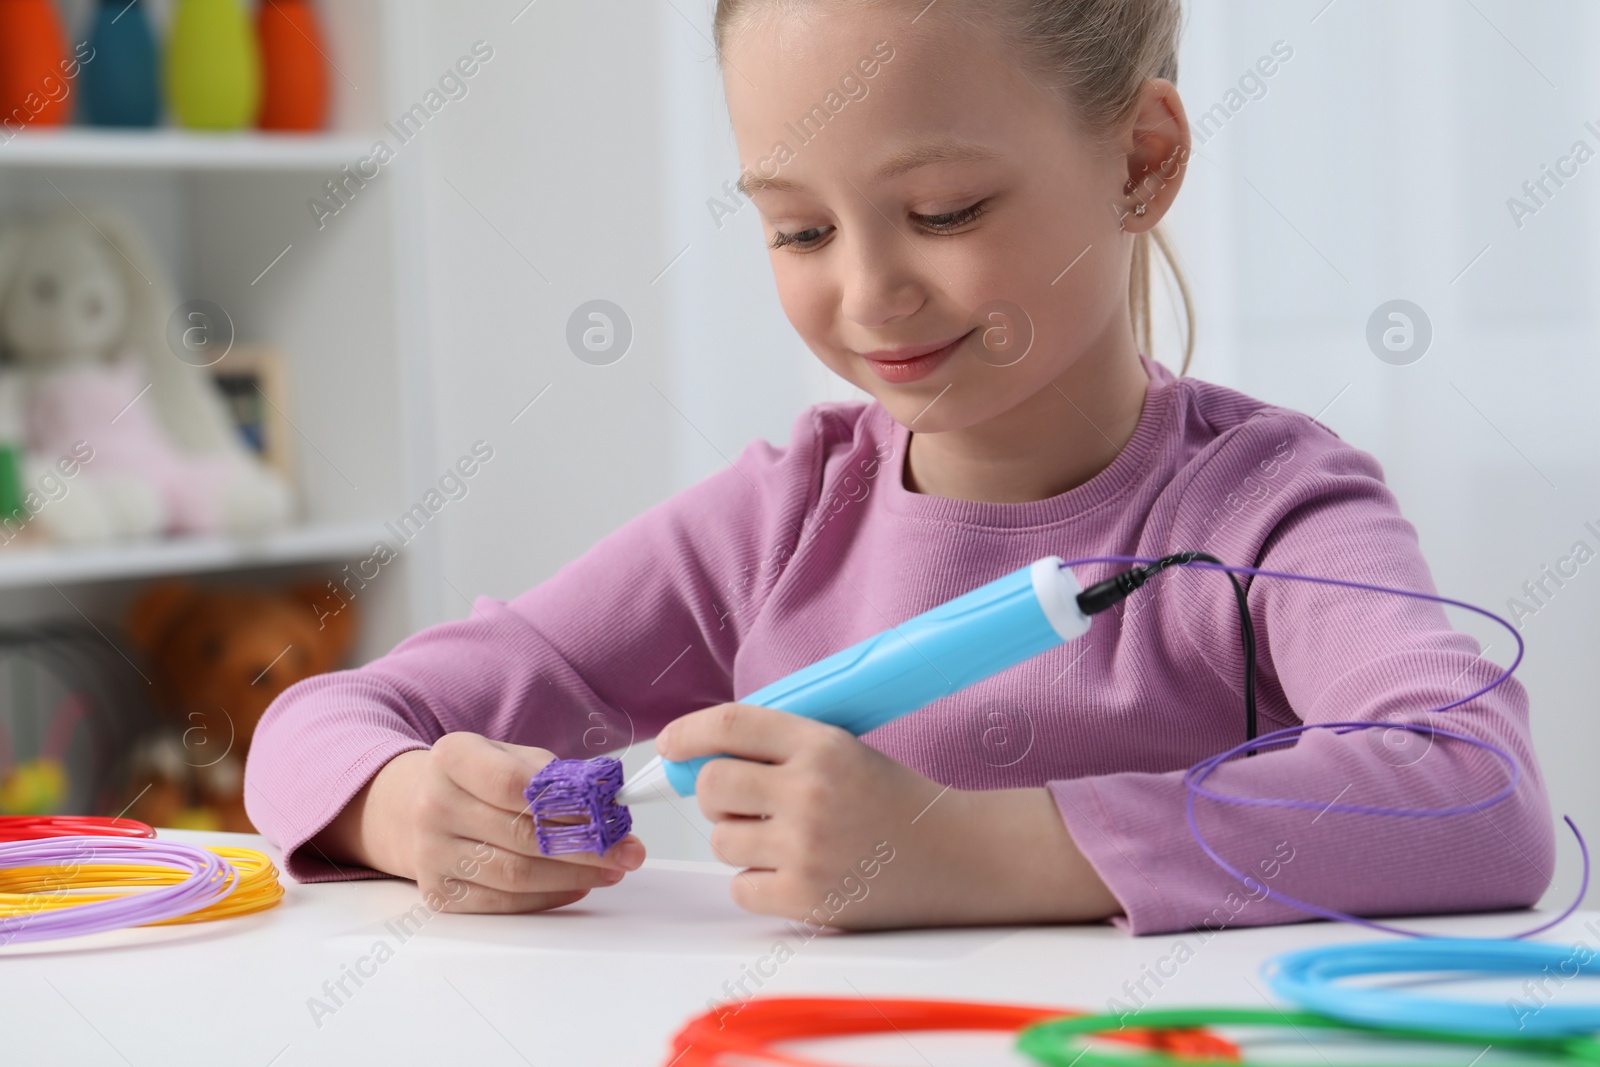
{"type": "Point", "coordinates": [1097, 54]}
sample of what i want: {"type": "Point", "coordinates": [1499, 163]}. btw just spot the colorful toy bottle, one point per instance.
{"type": "Point", "coordinates": [294, 76]}
{"type": "Point", "coordinates": [120, 85]}
{"type": "Point", "coordinates": [34, 91]}
{"type": "Point", "coordinates": [213, 66]}
{"type": "Point", "coordinates": [13, 450]}
{"type": "Point", "coordinates": [11, 491]}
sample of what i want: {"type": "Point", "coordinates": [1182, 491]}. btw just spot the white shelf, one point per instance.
{"type": "Point", "coordinates": [174, 149]}
{"type": "Point", "coordinates": [27, 567]}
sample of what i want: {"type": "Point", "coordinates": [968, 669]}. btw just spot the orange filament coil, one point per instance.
{"type": "Point", "coordinates": [27, 890]}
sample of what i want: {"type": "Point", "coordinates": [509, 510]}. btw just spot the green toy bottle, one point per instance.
{"type": "Point", "coordinates": [213, 66]}
{"type": "Point", "coordinates": [13, 451]}
{"type": "Point", "coordinates": [11, 491]}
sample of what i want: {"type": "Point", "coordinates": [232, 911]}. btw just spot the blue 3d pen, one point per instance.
{"type": "Point", "coordinates": [907, 667]}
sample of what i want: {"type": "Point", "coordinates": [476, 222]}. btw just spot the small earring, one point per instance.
{"type": "Point", "coordinates": [1139, 211]}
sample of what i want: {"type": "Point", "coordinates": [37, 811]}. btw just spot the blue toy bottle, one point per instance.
{"type": "Point", "coordinates": [120, 84]}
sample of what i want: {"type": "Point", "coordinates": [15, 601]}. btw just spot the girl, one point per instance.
{"type": "Point", "coordinates": [967, 241]}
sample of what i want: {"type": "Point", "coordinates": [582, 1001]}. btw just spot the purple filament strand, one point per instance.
{"type": "Point", "coordinates": [206, 869]}
{"type": "Point", "coordinates": [1197, 774]}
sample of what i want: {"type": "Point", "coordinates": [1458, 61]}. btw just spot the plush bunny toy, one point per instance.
{"type": "Point", "coordinates": [87, 371]}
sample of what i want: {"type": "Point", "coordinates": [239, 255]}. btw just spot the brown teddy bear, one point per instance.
{"type": "Point", "coordinates": [219, 657]}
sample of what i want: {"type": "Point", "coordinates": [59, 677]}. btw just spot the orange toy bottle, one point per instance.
{"type": "Point", "coordinates": [34, 90]}
{"type": "Point", "coordinates": [294, 73]}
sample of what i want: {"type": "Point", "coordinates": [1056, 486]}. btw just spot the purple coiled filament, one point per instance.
{"type": "Point", "coordinates": [1195, 777]}
{"type": "Point", "coordinates": [571, 789]}
{"type": "Point", "coordinates": [210, 879]}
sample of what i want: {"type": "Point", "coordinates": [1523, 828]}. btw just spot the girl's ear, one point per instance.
{"type": "Point", "coordinates": [1157, 146]}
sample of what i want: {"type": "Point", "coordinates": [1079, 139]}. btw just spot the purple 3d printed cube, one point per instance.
{"type": "Point", "coordinates": [578, 788]}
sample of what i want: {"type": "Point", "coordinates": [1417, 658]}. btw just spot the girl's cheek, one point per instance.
{"type": "Point", "coordinates": [815, 322]}
{"type": "Point", "coordinates": [803, 303]}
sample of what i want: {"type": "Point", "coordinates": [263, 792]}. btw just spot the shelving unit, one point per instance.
{"type": "Point", "coordinates": [22, 568]}
{"type": "Point", "coordinates": [168, 149]}
{"type": "Point", "coordinates": [339, 297]}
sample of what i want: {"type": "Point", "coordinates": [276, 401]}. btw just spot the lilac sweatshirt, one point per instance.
{"type": "Point", "coordinates": [794, 553]}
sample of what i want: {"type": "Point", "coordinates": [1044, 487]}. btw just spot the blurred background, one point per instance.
{"type": "Point", "coordinates": [334, 333]}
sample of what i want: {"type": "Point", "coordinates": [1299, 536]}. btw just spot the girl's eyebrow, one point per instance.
{"type": "Point", "coordinates": [946, 149]}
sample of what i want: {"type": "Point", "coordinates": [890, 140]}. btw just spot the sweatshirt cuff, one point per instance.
{"type": "Point", "coordinates": [1124, 867]}
{"type": "Point", "coordinates": [303, 861]}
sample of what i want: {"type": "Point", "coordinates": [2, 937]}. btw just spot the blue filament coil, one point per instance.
{"type": "Point", "coordinates": [1310, 978]}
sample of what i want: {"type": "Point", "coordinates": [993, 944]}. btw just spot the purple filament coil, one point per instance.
{"type": "Point", "coordinates": [569, 789]}
{"type": "Point", "coordinates": [41, 915]}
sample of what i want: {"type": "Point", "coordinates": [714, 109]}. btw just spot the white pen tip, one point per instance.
{"type": "Point", "coordinates": [650, 783]}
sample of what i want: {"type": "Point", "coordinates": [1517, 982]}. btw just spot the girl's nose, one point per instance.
{"type": "Point", "coordinates": [883, 282]}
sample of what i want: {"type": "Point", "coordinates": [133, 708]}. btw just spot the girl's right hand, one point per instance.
{"type": "Point", "coordinates": [453, 818]}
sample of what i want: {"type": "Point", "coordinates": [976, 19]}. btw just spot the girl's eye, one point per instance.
{"type": "Point", "coordinates": [803, 239]}
{"type": "Point", "coordinates": [952, 220]}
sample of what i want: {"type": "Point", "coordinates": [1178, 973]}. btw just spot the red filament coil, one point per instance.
{"type": "Point", "coordinates": [746, 1033]}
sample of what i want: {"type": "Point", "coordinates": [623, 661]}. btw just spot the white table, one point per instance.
{"type": "Point", "coordinates": [606, 981]}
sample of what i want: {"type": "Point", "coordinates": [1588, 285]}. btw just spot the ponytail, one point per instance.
{"type": "Point", "coordinates": [1140, 288]}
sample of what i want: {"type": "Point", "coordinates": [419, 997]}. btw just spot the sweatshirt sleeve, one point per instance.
{"type": "Point", "coordinates": [640, 629]}
{"type": "Point", "coordinates": [1325, 654]}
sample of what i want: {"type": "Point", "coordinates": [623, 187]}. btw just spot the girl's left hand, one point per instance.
{"type": "Point", "coordinates": [831, 830]}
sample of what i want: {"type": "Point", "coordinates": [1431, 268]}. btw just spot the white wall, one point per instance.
{"type": "Point", "coordinates": [540, 195]}
{"type": "Point", "coordinates": [1391, 142]}
{"type": "Point", "coordinates": [1376, 166]}
{"type": "Point", "coordinates": [544, 190]}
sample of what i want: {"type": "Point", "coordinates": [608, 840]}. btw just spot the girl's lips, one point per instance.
{"type": "Point", "coordinates": [899, 371]}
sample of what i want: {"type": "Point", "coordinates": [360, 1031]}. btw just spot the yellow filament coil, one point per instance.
{"type": "Point", "coordinates": [26, 890]}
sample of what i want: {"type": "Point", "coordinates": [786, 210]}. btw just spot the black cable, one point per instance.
{"type": "Point", "coordinates": [1103, 595]}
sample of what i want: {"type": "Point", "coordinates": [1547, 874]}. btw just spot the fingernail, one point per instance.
{"type": "Point", "coordinates": [610, 875]}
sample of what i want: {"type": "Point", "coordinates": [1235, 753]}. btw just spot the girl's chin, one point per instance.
{"type": "Point", "coordinates": [957, 405]}
{"type": "Point", "coordinates": [926, 414]}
